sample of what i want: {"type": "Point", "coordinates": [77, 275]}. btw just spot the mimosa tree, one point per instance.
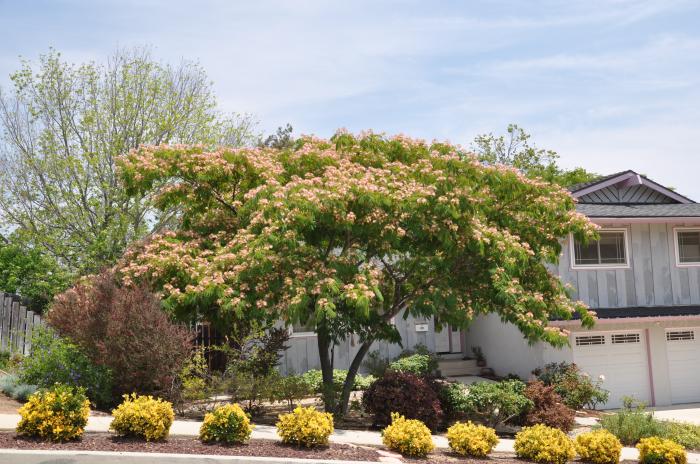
{"type": "Point", "coordinates": [350, 232]}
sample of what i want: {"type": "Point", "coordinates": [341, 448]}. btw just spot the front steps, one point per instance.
{"type": "Point", "coordinates": [456, 367]}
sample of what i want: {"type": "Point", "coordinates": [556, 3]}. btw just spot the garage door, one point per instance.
{"type": "Point", "coordinates": [683, 351]}
{"type": "Point", "coordinates": [620, 357]}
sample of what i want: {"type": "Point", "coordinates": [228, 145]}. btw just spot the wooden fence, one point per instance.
{"type": "Point", "coordinates": [16, 324]}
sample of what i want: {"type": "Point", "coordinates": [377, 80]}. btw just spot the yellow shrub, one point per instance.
{"type": "Point", "coordinates": [599, 447]}
{"type": "Point", "coordinates": [471, 440]}
{"type": "Point", "coordinates": [227, 424]}
{"type": "Point", "coordinates": [409, 437]}
{"type": "Point", "coordinates": [143, 417]}
{"type": "Point", "coordinates": [59, 414]}
{"type": "Point", "coordinates": [655, 450]}
{"type": "Point", "coordinates": [305, 427]}
{"type": "Point", "coordinates": [544, 444]}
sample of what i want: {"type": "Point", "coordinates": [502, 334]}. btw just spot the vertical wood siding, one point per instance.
{"type": "Point", "coordinates": [302, 354]}
{"type": "Point", "coordinates": [653, 278]}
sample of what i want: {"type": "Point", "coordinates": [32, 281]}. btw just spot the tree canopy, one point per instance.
{"type": "Point", "coordinates": [351, 232]}
{"type": "Point", "coordinates": [63, 126]}
{"type": "Point", "coordinates": [515, 149]}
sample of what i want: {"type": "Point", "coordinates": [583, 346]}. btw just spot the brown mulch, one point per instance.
{"type": "Point", "coordinates": [446, 457]}
{"type": "Point", "coordinates": [183, 445]}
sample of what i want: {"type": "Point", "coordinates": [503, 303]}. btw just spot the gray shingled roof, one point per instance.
{"type": "Point", "coordinates": [582, 185]}
{"type": "Point", "coordinates": [597, 210]}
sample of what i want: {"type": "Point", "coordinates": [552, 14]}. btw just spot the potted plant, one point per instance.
{"type": "Point", "coordinates": [479, 356]}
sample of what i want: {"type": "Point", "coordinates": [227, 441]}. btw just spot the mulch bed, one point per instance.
{"type": "Point", "coordinates": [185, 445]}
{"type": "Point", "coordinates": [440, 456]}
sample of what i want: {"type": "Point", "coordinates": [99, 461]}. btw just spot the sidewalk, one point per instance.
{"type": "Point", "coordinates": [357, 437]}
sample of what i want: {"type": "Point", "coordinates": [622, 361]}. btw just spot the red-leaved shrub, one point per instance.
{"type": "Point", "coordinates": [125, 329]}
{"type": "Point", "coordinates": [549, 408]}
{"type": "Point", "coordinates": [404, 393]}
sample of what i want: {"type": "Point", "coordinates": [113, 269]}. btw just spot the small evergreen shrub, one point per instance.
{"type": "Point", "coordinates": [685, 434]}
{"type": "Point", "coordinates": [655, 450]}
{"type": "Point", "coordinates": [405, 394]}
{"type": "Point", "coordinates": [305, 427]}
{"type": "Point", "coordinates": [409, 437]}
{"type": "Point", "coordinates": [291, 389]}
{"type": "Point", "coordinates": [493, 403]}
{"type": "Point", "coordinates": [632, 423]}
{"type": "Point", "coordinates": [598, 447]}
{"type": "Point", "coordinates": [59, 413]}
{"type": "Point", "coordinates": [57, 360]}
{"type": "Point", "coordinates": [226, 424]}
{"type": "Point", "coordinates": [547, 408]}
{"type": "Point", "coordinates": [468, 439]}
{"type": "Point", "coordinates": [143, 417]}
{"type": "Point", "coordinates": [544, 444]}
{"type": "Point", "coordinates": [418, 364]}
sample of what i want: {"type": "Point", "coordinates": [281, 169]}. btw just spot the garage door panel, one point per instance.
{"type": "Point", "coordinates": [623, 364]}
{"type": "Point", "coordinates": [683, 352]}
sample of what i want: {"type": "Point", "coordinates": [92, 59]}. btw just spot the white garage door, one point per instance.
{"type": "Point", "coordinates": [683, 350]}
{"type": "Point", "coordinates": [619, 356]}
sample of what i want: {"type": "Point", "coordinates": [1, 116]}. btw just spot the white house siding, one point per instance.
{"type": "Point", "coordinates": [302, 354]}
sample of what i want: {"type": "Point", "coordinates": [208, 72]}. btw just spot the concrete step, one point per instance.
{"type": "Point", "coordinates": [457, 367]}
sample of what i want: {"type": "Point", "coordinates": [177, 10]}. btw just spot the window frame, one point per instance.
{"type": "Point", "coordinates": [626, 265]}
{"type": "Point", "coordinates": [677, 247]}
{"type": "Point", "coordinates": [293, 334]}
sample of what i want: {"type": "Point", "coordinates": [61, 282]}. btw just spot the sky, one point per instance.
{"type": "Point", "coordinates": [609, 85]}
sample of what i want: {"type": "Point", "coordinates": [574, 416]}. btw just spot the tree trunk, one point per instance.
{"type": "Point", "coordinates": [324, 346]}
{"type": "Point", "coordinates": [344, 400]}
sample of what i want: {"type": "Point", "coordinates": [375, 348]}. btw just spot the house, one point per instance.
{"type": "Point", "coordinates": [642, 277]}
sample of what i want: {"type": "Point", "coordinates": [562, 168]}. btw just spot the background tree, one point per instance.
{"type": "Point", "coordinates": [514, 149]}
{"type": "Point", "coordinates": [63, 125]}
{"type": "Point", "coordinates": [348, 234]}
{"type": "Point", "coordinates": [31, 274]}
{"type": "Point", "coordinates": [282, 138]}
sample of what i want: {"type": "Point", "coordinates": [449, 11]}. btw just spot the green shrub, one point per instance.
{"type": "Point", "coordinates": [56, 360]}
{"type": "Point", "coordinates": [685, 434]}
{"type": "Point", "coordinates": [598, 447]}
{"type": "Point", "coordinates": [12, 387]}
{"type": "Point", "coordinates": [59, 413]}
{"type": "Point", "coordinates": [409, 437]}
{"type": "Point", "coordinates": [291, 389]}
{"type": "Point", "coordinates": [143, 417]}
{"type": "Point", "coordinates": [655, 450]}
{"type": "Point", "coordinates": [226, 424]}
{"type": "Point", "coordinates": [469, 439]}
{"type": "Point", "coordinates": [544, 444]}
{"type": "Point", "coordinates": [305, 427]}
{"type": "Point", "coordinates": [575, 387]}
{"type": "Point", "coordinates": [418, 364]}
{"type": "Point", "coordinates": [375, 363]}
{"type": "Point", "coordinates": [314, 378]}
{"type": "Point", "coordinates": [632, 423]}
{"type": "Point", "coordinates": [491, 403]}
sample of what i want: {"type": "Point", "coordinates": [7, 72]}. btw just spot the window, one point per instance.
{"type": "Point", "coordinates": [590, 340]}
{"type": "Point", "coordinates": [610, 250]}
{"type": "Point", "coordinates": [687, 246]}
{"type": "Point", "coordinates": [625, 338]}
{"type": "Point", "coordinates": [303, 330]}
{"type": "Point", "coordinates": [680, 335]}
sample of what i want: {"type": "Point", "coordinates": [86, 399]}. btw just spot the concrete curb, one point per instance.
{"type": "Point", "coordinates": [109, 457]}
